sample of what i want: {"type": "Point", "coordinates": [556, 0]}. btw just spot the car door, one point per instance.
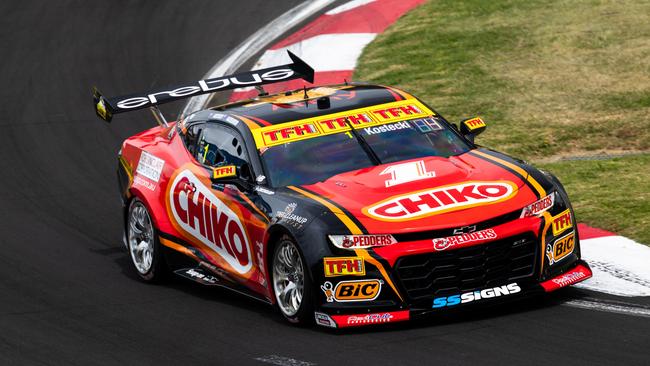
{"type": "Point", "coordinates": [234, 224]}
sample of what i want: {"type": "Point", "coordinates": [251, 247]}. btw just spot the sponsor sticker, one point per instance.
{"type": "Point", "coordinates": [224, 172]}
{"type": "Point", "coordinates": [362, 241]}
{"type": "Point", "coordinates": [406, 172]}
{"type": "Point", "coordinates": [198, 276]}
{"type": "Point", "coordinates": [371, 119]}
{"type": "Point", "coordinates": [346, 291]}
{"type": "Point", "coordinates": [137, 180]}
{"type": "Point", "coordinates": [260, 262]}
{"type": "Point", "coordinates": [561, 248]}
{"type": "Point", "coordinates": [574, 275]}
{"type": "Point", "coordinates": [203, 216]}
{"type": "Point", "coordinates": [356, 120]}
{"type": "Point", "coordinates": [290, 133]}
{"type": "Point", "coordinates": [150, 166]}
{"type": "Point", "coordinates": [373, 318]}
{"type": "Point", "coordinates": [474, 123]}
{"type": "Point", "coordinates": [288, 214]}
{"type": "Point", "coordinates": [569, 278]}
{"type": "Point", "coordinates": [344, 266]}
{"type": "Point", "coordinates": [386, 128]}
{"type": "Point", "coordinates": [427, 125]}
{"type": "Point", "coordinates": [391, 113]}
{"type": "Point", "coordinates": [440, 200]}
{"type": "Point", "coordinates": [324, 320]}
{"type": "Point", "coordinates": [539, 207]}
{"type": "Point", "coordinates": [450, 241]}
{"type": "Point", "coordinates": [561, 222]}
{"type": "Point", "coordinates": [488, 293]}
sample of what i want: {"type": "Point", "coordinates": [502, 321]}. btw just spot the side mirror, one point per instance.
{"type": "Point", "coordinates": [231, 174]}
{"type": "Point", "coordinates": [472, 127]}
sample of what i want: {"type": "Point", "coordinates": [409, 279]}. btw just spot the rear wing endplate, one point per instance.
{"type": "Point", "coordinates": [107, 107]}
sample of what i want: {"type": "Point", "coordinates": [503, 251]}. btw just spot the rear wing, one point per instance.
{"type": "Point", "coordinates": [107, 107]}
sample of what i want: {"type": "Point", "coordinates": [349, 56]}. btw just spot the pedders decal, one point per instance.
{"type": "Point", "coordinates": [198, 212]}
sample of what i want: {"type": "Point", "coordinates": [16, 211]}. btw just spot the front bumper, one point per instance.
{"type": "Point", "coordinates": [579, 272]}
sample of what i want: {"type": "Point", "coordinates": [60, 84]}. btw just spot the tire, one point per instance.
{"type": "Point", "coordinates": [289, 271]}
{"type": "Point", "coordinates": [143, 243]}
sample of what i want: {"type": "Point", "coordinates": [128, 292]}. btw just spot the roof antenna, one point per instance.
{"type": "Point", "coordinates": [305, 95]}
{"type": "Point", "coordinates": [345, 81]}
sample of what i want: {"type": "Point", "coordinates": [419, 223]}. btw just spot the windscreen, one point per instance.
{"type": "Point", "coordinates": [316, 159]}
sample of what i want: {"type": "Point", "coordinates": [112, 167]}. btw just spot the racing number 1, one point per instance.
{"type": "Point", "coordinates": [407, 172]}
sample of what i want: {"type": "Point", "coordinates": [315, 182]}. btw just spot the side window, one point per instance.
{"type": "Point", "coordinates": [220, 145]}
{"type": "Point", "coordinates": [191, 137]}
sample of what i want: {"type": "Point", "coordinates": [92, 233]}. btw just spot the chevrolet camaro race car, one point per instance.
{"type": "Point", "coordinates": [343, 205]}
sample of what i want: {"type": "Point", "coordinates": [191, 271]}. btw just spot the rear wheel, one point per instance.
{"type": "Point", "coordinates": [291, 282]}
{"type": "Point", "coordinates": [143, 245]}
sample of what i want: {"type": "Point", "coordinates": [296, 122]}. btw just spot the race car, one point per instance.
{"type": "Point", "coordinates": [344, 205]}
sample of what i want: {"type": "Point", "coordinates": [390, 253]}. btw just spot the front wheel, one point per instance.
{"type": "Point", "coordinates": [291, 283]}
{"type": "Point", "coordinates": [144, 247]}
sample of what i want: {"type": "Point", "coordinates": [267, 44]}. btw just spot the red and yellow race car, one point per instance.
{"type": "Point", "coordinates": [346, 205]}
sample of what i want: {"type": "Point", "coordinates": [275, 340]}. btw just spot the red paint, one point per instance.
{"type": "Point", "coordinates": [573, 276]}
{"type": "Point", "coordinates": [373, 17]}
{"type": "Point", "coordinates": [588, 232]}
{"type": "Point", "coordinates": [359, 320]}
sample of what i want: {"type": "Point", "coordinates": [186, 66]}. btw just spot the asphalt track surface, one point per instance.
{"type": "Point", "coordinates": [67, 293]}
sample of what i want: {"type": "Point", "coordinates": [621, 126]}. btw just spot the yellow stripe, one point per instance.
{"type": "Point", "coordinates": [250, 203]}
{"type": "Point", "coordinates": [363, 253]}
{"type": "Point", "coordinates": [523, 173]}
{"type": "Point", "coordinates": [547, 223]}
{"type": "Point", "coordinates": [178, 248]}
{"type": "Point", "coordinates": [251, 125]}
{"type": "Point", "coordinates": [127, 168]}
{"type": "Point", "coordinates": [354, 229]}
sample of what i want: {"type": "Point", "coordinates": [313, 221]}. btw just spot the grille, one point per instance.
{"type": "Point", "coordinates": [423, 235]}
{"type": "Point", "coordinates": [466, 269]}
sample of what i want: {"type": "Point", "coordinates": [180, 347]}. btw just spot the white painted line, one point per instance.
{"type": "Point", "coordinates": [610, 308]}
{"type": "Point", "coordinates": [621, 266]}
{"type": "Point", "coordinates": [254, 44]}
{"type": "Point", "coordinates": [348, 6]}
{"type": "Point", "coordinates": [325, 52]}
{"type": "Point", "coordinates": [283, 361]}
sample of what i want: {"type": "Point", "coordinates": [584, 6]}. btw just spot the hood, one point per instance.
{"type": "Point", "coordinates": [426, 193]}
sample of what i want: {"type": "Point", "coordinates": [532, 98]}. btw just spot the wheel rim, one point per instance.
{"type": "Point", "coordinates": [288, 278]}
{"type": "Point", "coordinates": [141, 238]}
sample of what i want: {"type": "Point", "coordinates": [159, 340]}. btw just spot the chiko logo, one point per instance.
{"type": "Point", "coordinates": [440, 200]}
{"type": "Point", "coordinates": [201, 214]}
{"type": "Point", "coordinates": [488, 293]}
{"type": "Point", "coordinates": [450, 241]}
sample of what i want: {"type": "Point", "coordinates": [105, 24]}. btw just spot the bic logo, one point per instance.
{"type": "Point", "coordinates": [561, 248]}
{"type": "Point", "coordinates": [358, 290]}
{"type": "Point", "coordinates": [342, 266]}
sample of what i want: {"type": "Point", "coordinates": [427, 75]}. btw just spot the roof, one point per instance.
{"type": "Point", "coordinates": [292, 105]}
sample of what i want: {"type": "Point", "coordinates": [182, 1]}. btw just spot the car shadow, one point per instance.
{"type": "Point", "coordinates": [229, 297]}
